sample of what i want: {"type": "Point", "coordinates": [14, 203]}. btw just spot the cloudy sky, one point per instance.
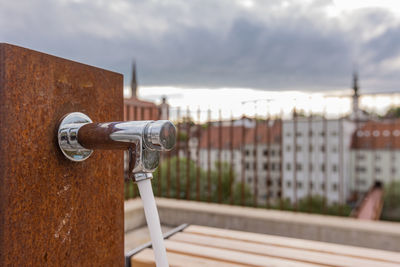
{"type": "Point", "coordinates": [259, 45]}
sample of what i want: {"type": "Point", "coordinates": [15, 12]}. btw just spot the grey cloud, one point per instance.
{"type": "Point", "coordinates": [211, 44]}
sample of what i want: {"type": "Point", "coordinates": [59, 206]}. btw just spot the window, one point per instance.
{"type": "Point", "coordinates": [377, 170]}
{"type": "Point", "coordinates": [247, 165]}
{"type": "Point", "coordinates": [249, 180]}
{"type": "Point", "coordinates": [247, 152]}
{"type": "Point", "coordinates": [273, 166]}
{"type": "Point", "coordinates": [360, 182]}
{"type": "Point", "coordinates": [288, 134]}
{"type": "Point", "coordinates": [265, 166]}
{"type": "Point", "coordinates": [268, 182]}
{"type": "Point", "coordinates": [310, 133]}
{"type": "Point", "coordinates": [386, 133]}
{"type": "Point", "coordinates": [298, 148]}
{"type": "Point", "coordinates": [393, 170]}
{"type": "Point", "coordinates": [298, 134]}
{"type": "Point", "coordinates": [311, 185]}
{"type": "Point", "coordinates": [334, 149]}
{"type": "Point", "coordinates": [322, 148]}
{"type": "Point", "coordinates": [310, 148]}
{"type": "Point", "coordinates": [361, 169]}
{"type": "Point", "coordinates": [288, 148]}
{"type": "Point", "coordinates": [334, 187]}
{"type": "Point", "coordinates": [310, 167]}
{"type": "Point", "coordinates": [334, 133]}
{"type": "Point", "coordinates": [255, 152]}
{"type": "Point", "coordinates": [288, 166]}
{"type": "Point", "coordinates": [322, 133]}
{"type": "Point", "coordinates": [288, 184]}
{"type": "Point", "coordinates": [299, 167]}
{"type": "Point", "coordinates": [323, 186]}
{"type": "Point", "coordinates": [299, 185]}
{"type": "Point", "coordinates": [265, 152]}
{"type": "Point", "coordinates": [360, 156]}
{"type": "Point", "coordinates": [322, 167]}
{"type": "Point", "coordinates": [334, 168]}
{"type": "Point", "coordinates": [377, 157]}
{"type": "Point", "coordinates": [272, 152]}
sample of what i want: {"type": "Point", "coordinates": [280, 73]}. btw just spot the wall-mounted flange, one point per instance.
{"type": "Point", "coordinates": [68, 136]}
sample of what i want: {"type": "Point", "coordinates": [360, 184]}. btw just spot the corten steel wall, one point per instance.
{"type": "Point", "coordinates": [54, 212]}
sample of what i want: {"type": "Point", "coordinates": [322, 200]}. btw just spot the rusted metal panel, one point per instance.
{"type": "Point", "coordinates": [54, 212]}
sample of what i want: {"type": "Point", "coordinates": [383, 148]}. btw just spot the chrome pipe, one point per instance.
{"type": "Point", "coordinates": [78, 136]}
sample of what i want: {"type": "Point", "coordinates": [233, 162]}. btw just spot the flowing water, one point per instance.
{"type": "Point", "coordinates": [153, 222]}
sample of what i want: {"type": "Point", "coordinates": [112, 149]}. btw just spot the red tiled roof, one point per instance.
{"type": "Point", "coordinates": [135, 109]}
{"type": "Point", "coordinates": [237, 135]}
{"type": "Point", "coordinates": [274, 132]}
{"type": "Point", "coordinates": [138, 103]}
{"type": "Point", "coordinates": [377, 135]}
{"type": "Point", "coordinates": [226, 137]}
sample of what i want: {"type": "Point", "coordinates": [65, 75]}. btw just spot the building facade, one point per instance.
{"type": "Point", "coordinates": [262, 164]}
{"type": "Point", "coordinates": [254, 153]}
{"type": "Point", "coordinates": [316, 158]}
{"type": "Point", "coordinates": [375, 154]}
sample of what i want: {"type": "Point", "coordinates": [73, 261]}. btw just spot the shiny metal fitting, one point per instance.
{"type": "Point", "coordinates": [78, 136]}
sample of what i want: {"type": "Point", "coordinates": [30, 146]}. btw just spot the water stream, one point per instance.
{"type": "Point", "coordinates": [153, 222]}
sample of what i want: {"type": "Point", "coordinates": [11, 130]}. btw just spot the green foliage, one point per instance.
{"type": "Point", "coordinates": [230, 192]}
{"type": "Point", "coordinates": [391, 204]}
{"type": "Point", "coordinates": [185, 186]}
{"type": "Point", "coordinates": [204, 126]}
{"type": "Point", "coordinates": [315, 204]}
{"type": "Point", "coordinates": [393, 112]}
{"type": "Point", "coordinates": [182, 136]}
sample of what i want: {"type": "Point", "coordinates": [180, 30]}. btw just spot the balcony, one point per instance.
{"type": "Point", "coordinates": [285, 236]}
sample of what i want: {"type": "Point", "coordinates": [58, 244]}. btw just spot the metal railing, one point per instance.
{"type": "Point", "coordinates": [301, 162]}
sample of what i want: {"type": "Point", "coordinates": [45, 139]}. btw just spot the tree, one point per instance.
{"type": "Point", "coordinates": [391, 202]}
{"type": "Point", "coordinates": [393, 112]}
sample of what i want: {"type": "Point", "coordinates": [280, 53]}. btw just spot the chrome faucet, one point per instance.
{"type": "Point", "coordinates": [78, 136]}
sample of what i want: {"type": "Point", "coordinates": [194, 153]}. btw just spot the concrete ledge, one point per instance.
{"type": "Point", "coordinates": [349, 231]}
{"type": "Point", "coordinates": [134, 215]}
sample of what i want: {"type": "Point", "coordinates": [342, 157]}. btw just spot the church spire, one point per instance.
{"type": "Point", "coordinates": [133, 81]}
{"type": "Point", "coordinates": [355, 83]}
{"type": "Point", "coordinates": [356, 94]}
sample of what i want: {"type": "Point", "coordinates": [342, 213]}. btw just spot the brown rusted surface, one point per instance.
{"type": "Point", "coordinates": [54, 212]}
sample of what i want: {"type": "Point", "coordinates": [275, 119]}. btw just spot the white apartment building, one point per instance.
{"type": "Point", "coordinates": [375, 155]}
{"type": "Point", "coordinates": [260, 152]}
{"type": "Point", "coordinates": [316, 158]}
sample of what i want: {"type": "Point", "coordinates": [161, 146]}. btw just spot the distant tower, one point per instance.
{"type": "Point", "coordinates": [164, 109]}
{"type": "Point", "coordinates": [133, 81]}
{"type": "Point", "coordinates": [356, 95]}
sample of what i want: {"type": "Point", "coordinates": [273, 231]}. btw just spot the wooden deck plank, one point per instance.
{"type": "Point", "coordinates": [278, 252]}
{"type": "Point", "coordinates": [146, 259]}
{"type": "Point", "coordinates": [230, 256]}
{"type": "Point", "coordinates": [305, 245]}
